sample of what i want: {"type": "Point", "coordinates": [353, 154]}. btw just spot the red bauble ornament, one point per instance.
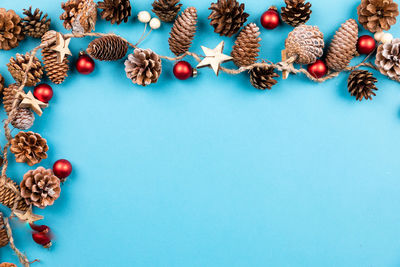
{"type": "Point", "coordinates": [62, 169]}
{"type": "Point", "coordinates": [42, 239]}
{"type": "Point", "coordinates": [318, 69]}
{"type": "Point", "coordinates": [84, 64]}
{"type": "Point", "coordinates": [270, 19]}
{"type": "Point", "coordinates": [366, 44]}
{"type": "Point", "coordinates": [183, 70]}
{"type": "Point", "coordinates": [43, 92]}
{"type": "Point", "coordinates": [40, 228]}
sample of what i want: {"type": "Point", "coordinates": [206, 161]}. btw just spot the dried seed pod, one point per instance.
{"type": "Point", "coordinates": [108, 48]}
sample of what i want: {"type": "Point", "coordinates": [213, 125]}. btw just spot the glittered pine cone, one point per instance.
{"type": "Point", "coordinates": [33, 24]}
{"type": "Point", "coordinates": [343, 46]}
{"type": "Point", "coordinates": [166, 10]}
{"type": "Point", "coordinates": [305, 43]}
{"type": "Point", "coordinates": [388, 59]}
{"type": "Point", "coordinates": [361, 84]}
{"type": "Point", "coordinates": [3, 233]}
{"type": "Point", "coordinates": [115, 11]}
{"type": "Point", "coordinates": [10, 29]}
{"type": "Point", "coordinates": [18, 65]}
{"type": "Point", "coordinates": [110, 47]}
{"type": "Point", "coordinates": [40, 187]}
{"type": "Point", "coordinates": [227, 17]}
{"type": "Point", "coordinates": [29, 147]}
{"type": "Point", "coordinates": [143, 67]}
{"type": "Point", "coordinates": [296, 12]}
{"type": "Point", "coordinates": [79, 15]}
{"type": "Point", "coordinates": [183, 31]}
{"type": "Point", "coordinates": [263, 77]}
{"type": "Point", "coordinates": [377, 15]}
{"type": "Point", "coordinates": [246, 48]}
{"type": "Point", "coordinates": [6, 264]}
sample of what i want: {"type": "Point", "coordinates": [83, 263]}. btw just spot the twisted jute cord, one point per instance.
{"type": "Point", "coordinates": [22, 258]}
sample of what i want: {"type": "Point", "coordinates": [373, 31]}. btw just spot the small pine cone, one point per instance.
{"type": "Point", "coordinates": [33, 24]}
{"type": "Point", "coordinates": [79, 15]}
{"type": "Point", "coordinates": [6, 264]}
{"type": "Point", "coordinates": [246, 48]}
{"type": "Point", "coordinates": [306, 43]}
{"type": "Point", "coordinates": [3, 233]}
{"type": "Point", "coordinates": [166, 10]}
{"type": "Point", "coordinates": [361, 84]}
{"type": "Point", "coordinates": [377, 15]}
{"type": "Point", "coordinates": [108, 48]}
{"type": "Point", "coordinates": [143, 67]}
{"type": "Point", "coordinates": [8, 196]}
{"type": "Point", "coordinates": [388, 59]}
{"type": "Point", "coordinates": [263, 77]}
{"type": "Point", "coordinates": [343, 46]}
{"type": "Point", "coordinates": [18, 66]}
{"type": "Point", "coordinates": [56, 72]}
{"type": "Point", "coordinates": [296, 12]}
{"type": "Point", "coordinates": [10, 29]}
{"type": "Point", "coordinates": [1, 83]}
{"type": "Point", "coordinates": [40, 187]}
{"type": "Point", "coordinates": [9, 96]}
{"type": "Point", "coordinates": [183, 31]}
{"type": "Point", "coordinates": [24, 119]}
{"type": "Point", "coordinates": [115, 11]}
{"type": "Point", "coordinates": [29, 147]}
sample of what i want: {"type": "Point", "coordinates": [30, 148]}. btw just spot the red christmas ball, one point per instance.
{"type": "Point", "coordinates": [84, 64]}
{"type": "Point", "coordinates": [42, 239]}
{"type": "Point", "coordinates": [183, 70]}
{"type": "Point", "coordinates": [270, 19]}
{"type": "Point", "coordinates": [62, 169]}
{"type": "Point", "coordinates": [40, 228]}
{"type": "Point", "coordinates": [318, 69]}
{"type": "Point", "coordinates": [43, 92]}
{"type": "Point", "coordinates": [366, 44]}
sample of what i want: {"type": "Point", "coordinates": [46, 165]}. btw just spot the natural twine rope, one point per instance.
{"type": "Point", "coordinates": [22, 258]}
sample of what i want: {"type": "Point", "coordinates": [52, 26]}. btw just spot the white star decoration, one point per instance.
{"type": "Point", "coordinates": [29, 101]}
{"type": "Point", "coordinates": [214, 57]}
{"type": "Point", "coordinates": [61, 47]}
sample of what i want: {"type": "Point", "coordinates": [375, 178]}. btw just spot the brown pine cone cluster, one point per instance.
{"type": "Point", "coordinates": [79, 15]}
{"type": "Point", "coordinates": [143, 67]}
{"type": "Point", "coordinates": [108, 48]}
{"type": "Point", "coordinates": [166, 10]}
{"type": "Point", "coordinates": [29, 147]}
{"type": "Point", "coordinates": [183, 31]}
{"type": "Point", "coordinates": [115, 11]}
{"type": "Point", "coordinates": [3, 232]}
{"type": "Point", "coordinates": [10, 29]}
{"type": "Point", "coordinates": [361, 84]}
{"type": "Point", "coordinates": [377, 15]}
{"type": "Point", "coordinates": [18, 65]}
{"type": "Point", "coordinates": [263, 77]}
{"type": "Point", "coordinates": [227, 17]}
{"type": "Point", "coordinates": [296, 12]}
{"type": "Point", "coordinates": [8, 196]}
{"type": "Point", "coordinates": [246, 48]}
{"type": "Point", "coordinates": [33, 24]}
{"type": "Point", "coordinates": [388, 59]}
{"type": "Point", "coordinates": [40, 187]}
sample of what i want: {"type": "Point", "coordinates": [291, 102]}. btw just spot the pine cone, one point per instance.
{"type": "Point", "coordinates": [108, 48]}
{"type": "Point", "coordinates": [183, 31]}
{"type": "Point", "coordinates": [1, 83]}
{"type": "Point", "coordinates": [56, 72]}
{"type": "Point", "coordinates": [227, 17]}
{"type": "Point", "coordinates": [29, 147]}
{"type": "Point", "coordinates": [9, 96]}
{"type": "Point", "coordinates": [343, 46]}
{"type": "Point", "coordinates": [306, 43]}
{"type": "Point", "coordinates": [166, 10]}
{"type": "Point", "coordinates": [246, 48]}
{"type": "Point", "coordinates": [33, 24]}
{"type": "Point", "coordinates": [8, 196]}
{"type": "Point", "coordinates": [388, 59]}
{"type": "Point", "coordinates": [3, 233]}
{"type": "Point", "coordinates": [143, 67]}
{"type": "Point", "coordinates": [79, 15]}
{"type": "Point", "coordinates": [24, 119]}
{"type": "Point", "coordinates": [18, 66]}
{"type": "Point", "coordinates": [296, 12]}
{"type": "Point", "coordinates": [361, 84]}
{"type": "Point", "coordinates": [10, 29]}
{"type": "Point", "coordinates": [377, 15]}
{"type": "Point", "coordinates": [40, 187]}
{"type": "Point", "coordinates": [115, 11]}
{"type": "Point", "coordinates": [263, 77]}
{"type": "Point", "coordinates": [6, 264]}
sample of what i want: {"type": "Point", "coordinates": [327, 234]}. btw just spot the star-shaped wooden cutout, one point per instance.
{"type": "Point", "coordinates": [214, 57]}
{"type": "Point", "coordinates": [61, 47]}
{"type": "Point", "coordinates": [29, 101]}
{"type": "Point", "coordinates": [27, 216]}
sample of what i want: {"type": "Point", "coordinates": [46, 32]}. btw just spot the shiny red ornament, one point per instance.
{"type": "Point", "coordinates": [366, 45]}
{"type": "Point", "coordinates": [318, 69]}
{"type": "Point", "coordinates": [43, 92]}
{"type": "Point", "coordinates": [270, 19]}
{"type": "Point", "coordinates": [40, 228]}
{"type": "Point", "coordinates": [183, 70]}
{"type": "Point", "coordinates": [85, 64]}
{"type": "Point", "coordinates": [62, 169]}
{"type": "Point", "coordinates": [42, 239]}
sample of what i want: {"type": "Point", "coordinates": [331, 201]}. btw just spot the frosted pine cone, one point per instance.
{"type": "Point", "coordinates": [29, 147]}
{"type": "Point", "coordinates": [108, 48]}
{"type": "Point", "coordinates": [115, 11]}
{"type": "Point", "coordinates": [361, 84]}
{"type": "Point", "coordinates": [18, 66]}
{"type": "Point", "coordinates": [23, 119]}
{"type": "Point", "coordinates": [143, 67]}
{"type": "Point", "coordinates": [183, 31]}
{"type": "Point", "coordinates": [166, 10]}
{"type": "Point", "coordinates": [246, 48]}
{"type": "Point", "coordinates": [34, 24]}
{"type": "Point", "coordinates": [388, 59]}
{"type": "Point", "coordinates": [263, 77]}
{"type": "Point", "coordinates": [377, 15]}
{"type": "Point", "coordinates": [10, 29]}
{"type": "Point", "coordinates": [79, 15]}
{"type": "Point", "coordinates": [296, 12]}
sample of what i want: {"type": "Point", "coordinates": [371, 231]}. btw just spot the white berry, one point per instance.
{"type": "Point", "coordinates": [155, 23]}
{"type": "Point", "coordinates": [387, 38]}
{"type": "Point", "coordinates": [144, 16]}
{"type": "Point", "coordinates": [378, 36]}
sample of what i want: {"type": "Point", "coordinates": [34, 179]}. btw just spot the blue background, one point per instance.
{"type": "Point", "coordinates": [212, 172]}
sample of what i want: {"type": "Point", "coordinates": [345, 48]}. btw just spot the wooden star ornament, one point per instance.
{"type": "Point", "coordinates": [27, 216]}
{"type": "Point", "coordinates": [61, 47]}
{"type": "Point", "coordinates": [29, 101]}
{"type": "Point", "coordinates": [214, 57]}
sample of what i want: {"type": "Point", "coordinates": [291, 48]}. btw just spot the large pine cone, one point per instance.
{"type": "Point", "coordinates": [388, 59]}
{"type": "Point", "coordinates": [143, 67]}
{"type": "Point", "coordinates": [377, 15]}
{"type": "Point", "coordinates": [246, 48]}
{"type": "Point", "coordinates": [227, 17]}
{"type": "Point", "coordinates": [79, 15]}
{"type": "Point", "coordinates": [343, 47]}
{"type": "Point", "coordinates": [361, 84]}
{"type": "Point", "coordinates": [166, 10]}
{"type": "Point", "coordinates": [8, 196]}
{"type": "Point", "coordinates": [108, 48]}
{"type": "Point", "coordinates": [263, 77]}
{"type": "Point", "coordinates": [29, 147]}
{"type": "Point", "coordinates": [115, 11]}
{"type": "Point", "coordinates": [33, 24]}
{"type": "Point", "coordinates": [40, 187]}
{"type": "Point", "coordinates": [306, 43]}
{"type": "Point", "coordinates": [183, 31]}
{"type": "Point", "coordinates": [296, 12]}
{"type": "Point", "coordinates": [10, 29]}
{"type": "Point", "coordinates": [18, 66]}
{"type": "Point", "coordinates": [3, 232]}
